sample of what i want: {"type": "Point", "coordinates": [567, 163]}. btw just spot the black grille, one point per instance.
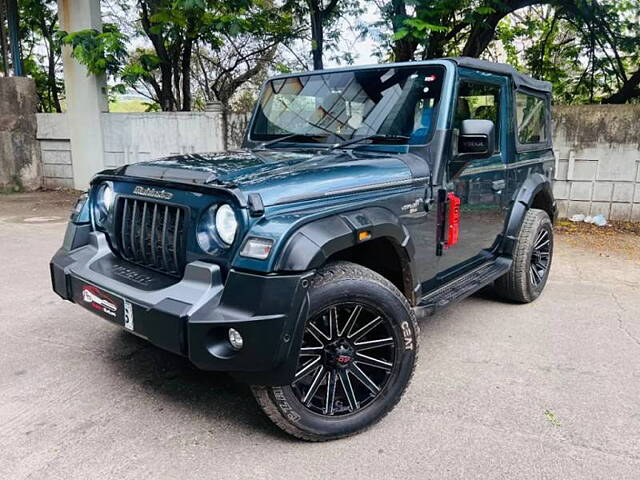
{"type": "Point", "coordinates": [151, 234]}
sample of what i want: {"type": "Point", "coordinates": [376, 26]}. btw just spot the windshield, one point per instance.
{"type": "Point", "coordinates": [391, 105]}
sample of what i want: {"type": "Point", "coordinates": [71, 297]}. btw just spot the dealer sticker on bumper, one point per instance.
{"type": "Point", "coordinates": [104, 303]}
{"type": "Point", "coordinates": [99, 300]}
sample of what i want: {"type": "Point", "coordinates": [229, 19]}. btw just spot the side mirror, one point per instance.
{"type": "Point", "coordinates": [476, 140]}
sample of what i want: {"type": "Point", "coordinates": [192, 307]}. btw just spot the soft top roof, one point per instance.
{"type": "Point", "coordinates": [520, 79]}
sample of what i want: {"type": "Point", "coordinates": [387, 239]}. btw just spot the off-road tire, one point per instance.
{"type": "Point", "coordinates": [334, 283]}
{"type": "Point", "coordinates": [516, 285]}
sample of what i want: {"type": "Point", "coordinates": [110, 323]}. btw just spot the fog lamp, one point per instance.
{"type": "Point", "coordinates": [235, 339]}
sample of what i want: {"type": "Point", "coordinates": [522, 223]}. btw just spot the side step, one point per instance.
{"type": "Point", "coordinates": [463, 286]}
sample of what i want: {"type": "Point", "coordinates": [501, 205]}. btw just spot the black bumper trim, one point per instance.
{"type": "Point", "coordinates": [192, 317]}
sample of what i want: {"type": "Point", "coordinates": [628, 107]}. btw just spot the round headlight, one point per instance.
{"type": "Point", "coordinates": [103, 202]}
{"type": "Point", "coordinates": [217, 227]}
{"type": "Point", "coordinates": [226, 223]}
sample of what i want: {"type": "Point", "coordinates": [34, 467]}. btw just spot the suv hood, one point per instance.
{"type": "Point", "coordinates": [279, 175]}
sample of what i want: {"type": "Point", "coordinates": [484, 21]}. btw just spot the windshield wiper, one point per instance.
{"type": "Point", "coordinates": [284, 138]}
{"type": "Point", "coordinates": [368, 137]}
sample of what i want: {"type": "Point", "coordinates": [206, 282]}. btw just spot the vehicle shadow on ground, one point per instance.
{"type": "Point", "coordinates": [171, 378]}
{"type": "Point", "coordinates": [167, 377]}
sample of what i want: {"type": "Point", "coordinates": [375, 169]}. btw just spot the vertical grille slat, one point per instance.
{"type": "Point", "coordinates": [142, 229]}
{"type": "Point", "coordinates": [164, 238]}
{"type": "Point", "coordinates": [176, 229]}
{"type": "Point", "coordinates": [132, 227]}
{"type": "Point", "coordinates": [123, 228]}
{"type": "Point", "coordinates": [152, 234]}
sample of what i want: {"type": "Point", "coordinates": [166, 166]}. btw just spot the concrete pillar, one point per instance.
{"type": "Point", "coordinates": [215, 109]}
{"type": "Point", "coordinates": [86, 94]}
{"type": "Point", "coordinates": [20, 165]}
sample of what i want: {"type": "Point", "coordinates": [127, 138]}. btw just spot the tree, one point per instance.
{"type": "Point", "coordinates": [41, 49]}
{"type": "Point", "coordinates": [319, 15]}
{"type": "Point", "coordinates": [321, 23]}
{"type": "Point", "coordinates": [600, 39]}
{"type": "Point", "coordinates": [175, 29]}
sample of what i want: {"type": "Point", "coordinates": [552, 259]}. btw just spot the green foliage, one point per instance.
{"type": "Point", "coordinates": [41, 51]}
{"type": "Point", "coordinates": [140, 67]}
{"type": "Point", "coordinates": [34, 67]}
{"type": "Point", "coordinates": [589, 49]}
{"type": "Point", "coordinates": [101, 52]}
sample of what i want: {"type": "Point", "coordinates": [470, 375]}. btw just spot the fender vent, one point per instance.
{"type": "Point", "coordinates": [151, 234]}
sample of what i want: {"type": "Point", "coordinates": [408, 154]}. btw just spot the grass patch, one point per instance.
{"type": "Point", "coordinates": [553, 420]}
{"type": "Point", "coordinates": [128, 106]}
{"type": "Point", "coordinates": [612, 227]}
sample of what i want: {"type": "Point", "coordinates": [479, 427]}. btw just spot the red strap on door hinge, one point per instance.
{"type": "Point", "coordinates": [453, 227]}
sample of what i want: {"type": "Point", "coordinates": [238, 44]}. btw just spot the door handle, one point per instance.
{"type": "Point", "coordinates": [498, 185]}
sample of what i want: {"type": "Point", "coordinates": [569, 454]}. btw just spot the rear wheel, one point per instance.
{"type": "Point", "coordinates": [531, 260]}
{"type": "Point", "coordinates": [357, 357]}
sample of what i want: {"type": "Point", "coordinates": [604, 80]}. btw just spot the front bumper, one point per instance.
{"type": "Point", "coordinates": [191, 316]}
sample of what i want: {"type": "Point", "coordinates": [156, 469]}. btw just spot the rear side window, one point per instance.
{"type": "Point", "coordinates": [531, 115]}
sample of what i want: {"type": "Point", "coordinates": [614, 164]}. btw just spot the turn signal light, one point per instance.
{"type": "Point", "coordinates": [255, 247]}
{"type": "Point", "coordinates": [364, 235]}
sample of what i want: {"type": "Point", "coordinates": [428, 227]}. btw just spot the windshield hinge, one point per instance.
{"type": "Point", "coordinates": [256, 207]}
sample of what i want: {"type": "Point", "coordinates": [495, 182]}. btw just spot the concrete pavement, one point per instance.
{"type": "Point", "coordinates": [546, 390]}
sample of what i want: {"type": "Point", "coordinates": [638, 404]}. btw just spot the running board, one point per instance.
{"type": "Point", "coordinates": [463, 286]}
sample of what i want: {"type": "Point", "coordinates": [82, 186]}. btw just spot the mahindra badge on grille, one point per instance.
{"type": "Point", "coordinates": [152, 192]}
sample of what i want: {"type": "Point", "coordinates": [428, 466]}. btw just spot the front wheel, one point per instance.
{"type": "Point", "coordinates": [529, 271]}
{"type": "Point", "coordinates": [357, 357]}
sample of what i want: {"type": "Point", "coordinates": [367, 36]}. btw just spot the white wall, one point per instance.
{"type": "Point", "coordinates": [55, 146]}
{"type": "Point", "coordinates": [128, 138]}
{"type": "Point", "coordinates": [133, 137]}
{"type": "Point", "coordinates": [598, 151]}
{"type": "Point", "coordinates": [597, 147]}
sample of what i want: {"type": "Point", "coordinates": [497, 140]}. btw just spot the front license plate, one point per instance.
{"type": "Point", "coordinates": [103, 303]}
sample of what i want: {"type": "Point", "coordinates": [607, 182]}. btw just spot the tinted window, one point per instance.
{"type": "Point", "coordinates": [531, 114]}
{"type": "Point", "coordinates": [481, 102]}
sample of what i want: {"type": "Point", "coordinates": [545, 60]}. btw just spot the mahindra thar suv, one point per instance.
{"type": "Point", "coordinates": [362, 199]}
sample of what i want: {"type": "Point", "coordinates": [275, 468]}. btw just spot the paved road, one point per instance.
{"type": "Point", "coordinates": [547, 390]}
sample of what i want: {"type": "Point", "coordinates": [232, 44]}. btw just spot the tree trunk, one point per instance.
{"type": "Point", "coordinates": [53, 86]}
{"type": "Point", "coordinates": [4, 46]}
{"type": "Point", "coordinates": [166, 97]}
{"type": "Point", "coordinates": [51, 73]}
{"type": "Point", "coordinates": [483, 31]}
{"type": "Point", "coordinates": [403, 49]}
{"type": "Point", "coordinates": [186, 75]}
{"type": "Point", "coordinates": [317, 35]}
{"type": "Point", "coordinates": [628, 90]}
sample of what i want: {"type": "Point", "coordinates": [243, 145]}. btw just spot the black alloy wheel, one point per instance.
{"type": "Point", "coordinates": [540, 257]}
{"type": "Point", "coordinates": [346, 359]}
{"type": "Point", "coordinates": [357, 356]}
